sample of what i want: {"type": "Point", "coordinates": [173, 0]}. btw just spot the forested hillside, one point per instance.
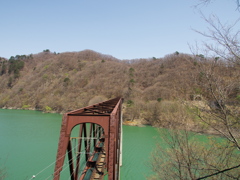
{"type": "Point", "coordinates": [150, 87]}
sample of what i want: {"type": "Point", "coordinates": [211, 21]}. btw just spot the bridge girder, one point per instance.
{"type": "Point", "coordinates": [105, 114]}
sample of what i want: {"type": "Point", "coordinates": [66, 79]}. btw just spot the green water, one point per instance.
{"type": "Point", "coordinates": [29, 139]}
{"type": "Point", "coordinates": [28, 142]}
{"type": "Point", "coordinates": [138, 142]}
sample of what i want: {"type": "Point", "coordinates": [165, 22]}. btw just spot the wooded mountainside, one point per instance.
{"type": "Point", "coordinates": [62, 82]}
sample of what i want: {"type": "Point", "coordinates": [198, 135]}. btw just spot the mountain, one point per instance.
{"type": "Point", "coordinates": [66, 81]}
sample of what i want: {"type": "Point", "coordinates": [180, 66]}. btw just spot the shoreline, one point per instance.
{"type": "Point", "coordinates": [137, 123]}
{"type": "Point", "coordinates": [32, 109]}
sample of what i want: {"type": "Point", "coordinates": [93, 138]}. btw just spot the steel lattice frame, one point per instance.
{"type": "Point", "coordinates": [106, 116]}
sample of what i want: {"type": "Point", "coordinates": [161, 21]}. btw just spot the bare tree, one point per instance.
{"type": "Point", "coordinates": [206, 2]}
{"type": "Point", "coordinates": [225, 39]}
{"type": "Point", "coordinates": [218, 78]}
{"type": "Point", "coordinates": [222, 112]}
{"type": "Point", "coordinates": [182, 155]}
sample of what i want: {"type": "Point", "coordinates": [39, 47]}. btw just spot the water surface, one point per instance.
{"type": "Point", "coordinates": [29, 142]}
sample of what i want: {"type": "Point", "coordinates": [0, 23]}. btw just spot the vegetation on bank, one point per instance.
{"type": "Point", "coordinates": [153, 89]}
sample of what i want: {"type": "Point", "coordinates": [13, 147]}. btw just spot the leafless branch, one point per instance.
{"type": "Point", "coordinates": [225, 38]}
{"type": "Point", "coordinates": [206, 2]}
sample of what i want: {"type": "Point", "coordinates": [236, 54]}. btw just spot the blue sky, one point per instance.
{"type": "Point", "coordinates": [125, 29]}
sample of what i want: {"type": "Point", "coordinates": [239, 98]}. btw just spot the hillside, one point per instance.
{"type": "Point", "coordinates": [62, 82]}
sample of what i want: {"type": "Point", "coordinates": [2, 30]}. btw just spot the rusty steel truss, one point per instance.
{"type": "Point", "coordinates": [98, 144]}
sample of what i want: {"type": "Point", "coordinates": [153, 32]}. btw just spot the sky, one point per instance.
{"type": "Point", "coordinates": [124, 29]}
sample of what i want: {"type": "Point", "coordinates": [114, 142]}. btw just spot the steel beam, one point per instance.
{"type": "Point", "coordinates": [106, 115]}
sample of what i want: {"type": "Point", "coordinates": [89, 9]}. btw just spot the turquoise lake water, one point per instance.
{"type": "Point", "coordinates": [29, 142]}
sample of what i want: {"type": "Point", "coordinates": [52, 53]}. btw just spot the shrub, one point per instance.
{"type": "Point", "coordinates": [66, 80]}
{"type": "Point", "coordinates": [47, 109]}
{"type": "Point", "coordinates": [46, 50]}
{"type": "Point", "coordinates": [159, 99]}
{"type": "Point", "coordinates": [15, 66]}
{"type": "Point", "coordinates": [10, 81]}
{"type": "Point", "coordinates": [132, 81]}
{"type": "Point", "coordinates": [46, 67]}
{"type": "Point", "coordinates": [130, 103]}
{"type": "Point", "coordinates": [26, 106]}
{"type": "Point", "coordinates": [238, 97]}
{"type": "Point", "coordinates": [45, 76]}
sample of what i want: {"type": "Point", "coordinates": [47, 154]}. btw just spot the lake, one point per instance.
{"type": "Point", "coordinates": [29, 142]}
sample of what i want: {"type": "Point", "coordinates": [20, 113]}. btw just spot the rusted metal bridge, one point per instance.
{"type": "Point", "coordinates": [91, 138]}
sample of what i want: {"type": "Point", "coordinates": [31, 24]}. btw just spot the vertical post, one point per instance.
{"type": "Point", "coordinates": [94, 135]}
{"type": "Point", "coordinates": [62, 146]}
{"type": "Point", "coordinates": [79, 152]}
{"type": "Point", "coordinates": [85, 140]}
{"type": "Point", "coordinates": [121, 136]}
{"type": "Point", "coordinates": [70, 160]}
{"type": "Point", "coordinates": [114, 143]}
{"type": "Point", "coordinates": [90, 138]}
{"type": "Point", "coordinates": [112, 148]}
